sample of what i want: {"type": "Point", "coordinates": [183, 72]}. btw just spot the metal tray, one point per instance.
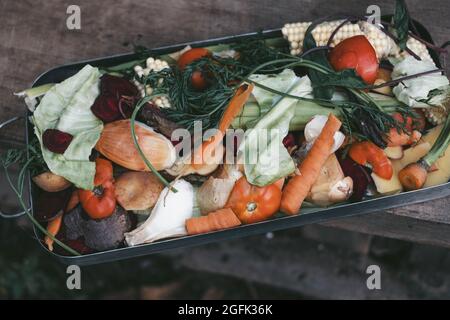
{"type": "Point", "coordinates": [307, 216]}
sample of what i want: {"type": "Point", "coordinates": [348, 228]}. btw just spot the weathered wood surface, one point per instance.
{"type": "Point", "coordinates": [34, 38]}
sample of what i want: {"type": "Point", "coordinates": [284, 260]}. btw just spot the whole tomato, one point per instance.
{"type": "Point", "coordinates": [253, 204]}
{"type": "Point", "coordinates": [100, 202]}
{"type": "Point", "coordinates": [356, 53]}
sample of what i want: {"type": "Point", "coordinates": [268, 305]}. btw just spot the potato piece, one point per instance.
{"type": "Point", "coordinates": [442, 174]}
{"type": "Point", "coordinates": [51, 182]}
{"type": "Point", "coordinates": [394, 152]}
{"type": "Point", "coordinates": [214, 192]}
{"type": "Point", "coordinates": [331, 186]}
{"type": "Point", "coordinates": [385, 186]}
{"type": "Point", "coordinates": [414, 154]}
{"type": "Point", "coordinates": [137, 190]}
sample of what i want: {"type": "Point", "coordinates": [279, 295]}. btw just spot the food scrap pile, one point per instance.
{"type": "Point", "coordinates": [332, 111]}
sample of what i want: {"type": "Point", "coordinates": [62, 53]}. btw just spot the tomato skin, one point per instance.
{"type": "Point", "coordinates": [356, 53]}
{"type": "Point", "coordinates": [191, 56]}
{"type": "Point", "coordinates": [253, 204]}
{"type": "Point", "coordinates": [101, 202]}
{"type": "Point", "coordinates": [198, 79]}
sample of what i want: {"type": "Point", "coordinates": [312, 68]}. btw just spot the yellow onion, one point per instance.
{"type": "Point", "coordinates": [117, 145]}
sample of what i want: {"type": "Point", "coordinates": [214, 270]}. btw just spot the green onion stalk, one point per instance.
{"type": "Point", "coordinates": [439, 147]}
{"type": "Point", "coordinates": [138, 107]}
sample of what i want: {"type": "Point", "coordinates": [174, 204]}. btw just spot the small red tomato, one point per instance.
{"type": "Point", "coordinates": [198, 80]}
{"type": "Point", "coordinates": [356, 53]}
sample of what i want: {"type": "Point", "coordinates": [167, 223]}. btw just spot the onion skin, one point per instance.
{"type": "Point", "coordinates": [117, 145]}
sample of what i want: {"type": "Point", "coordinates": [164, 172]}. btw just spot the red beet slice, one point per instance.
{"type": "Point", "coordinates": [78, 245]}
{"type": "Point", "coordinates": [117, 86]}
{"type": "Point", "coordinates": [106, 108]}
{"type": "Point", "coordinates": [361, 178]}
{"type": "Point", "coordinates": [56, 141]}
{"type": "Point", "coordinates": [289, 141]}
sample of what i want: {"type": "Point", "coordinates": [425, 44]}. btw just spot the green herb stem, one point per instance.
{"type": "Point", "coordinates": [138, 107]}
{"type": "Point", "coordinates": [440, 145]}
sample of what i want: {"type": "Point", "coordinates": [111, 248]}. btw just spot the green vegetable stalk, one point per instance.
{"type": "Point", "coordinates": [439, 147]}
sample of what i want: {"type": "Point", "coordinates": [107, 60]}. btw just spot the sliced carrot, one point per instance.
{"type": "Point", "coordinates": [53, 228]}
{"type": "Point", "coordinates": [200, 157]}
{"type": "Point", "coordinates": [395, 138]}
{"type": "Point", "coordinates": [279, 183]}
{"type": "Point", "coordinates": [216, 220]}
{"type": "Point", "coordinates": [298, 187]}
{"type": "Point", "coordinates": [413, 176]}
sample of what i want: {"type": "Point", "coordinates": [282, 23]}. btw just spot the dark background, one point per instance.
{"type": "Point", "coordinates": [315, 261]}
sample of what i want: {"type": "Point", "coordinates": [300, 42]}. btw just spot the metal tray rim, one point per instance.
{"type": "Point", "coordinates": [280, 223]}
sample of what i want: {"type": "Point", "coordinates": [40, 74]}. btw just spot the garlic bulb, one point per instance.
{"type": "Point", "coordinates": [168, 217]}
{"type": "Point", "coordinates": [314, 127]}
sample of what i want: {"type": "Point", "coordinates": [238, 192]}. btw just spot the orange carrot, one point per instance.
{"type": "Point", "coordinates": [298, 187]}
{"type": "Point", "coordinates": [279, 183]}
{"type": "Point", "coordinates": [216, 220]}
{"type": "Point", "coordinates": [235, 106]}
{"type": "Point", "coordinates": [413, 176]}
{"type": "Point", "coordinates": [395, 138]}
{"type": "Point", "coordinates": [53, 228]}
{"type": "Point", "coordinates": [367, 152]}
{"type": "Point", "coordinates": [54, 225]}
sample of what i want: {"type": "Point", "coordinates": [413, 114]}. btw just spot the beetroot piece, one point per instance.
{"type": "Point", "coordinates": [289, 141]}
{"type": "Point", "coordinates": [117, 86]}
{"type": "Point", "coordinates": [361, 179]}
{"type": "Point", "coordinates": [116, 100]}
{"type": "Point", "coordinates": [48, 205]}
{"type": "Point", "coordinates": [102, 234]}
{"type": "Point", "coordinates": [78, 245]}
{"type": "Point", "coordinates": [56, 141]}
{"type": "Point", "coordinates": [106, 108]}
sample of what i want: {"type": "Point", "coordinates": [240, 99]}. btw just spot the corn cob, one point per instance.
{"type": "Point", "coordinates": [415, 46]}
{"type": "Point", "coordinates": [383, 44]}
{"type": "Point", "coordinates": [295, 33]}
{"type": "Point", "coordinates": [152, 65]}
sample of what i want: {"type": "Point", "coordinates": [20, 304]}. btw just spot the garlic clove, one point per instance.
{"type": "Point", "coordinates": [314, 127]}
{"type": "Point", "coordinates": [168, 217]}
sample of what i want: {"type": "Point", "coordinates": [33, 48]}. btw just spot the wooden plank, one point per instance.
{"type": "Point", "coordinates": [319, 262]}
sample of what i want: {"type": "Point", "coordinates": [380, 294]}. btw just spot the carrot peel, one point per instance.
{"type": "Point", "coordinates": [298, 187]}
{"type": "Point", "coordinates": [216, 220]}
